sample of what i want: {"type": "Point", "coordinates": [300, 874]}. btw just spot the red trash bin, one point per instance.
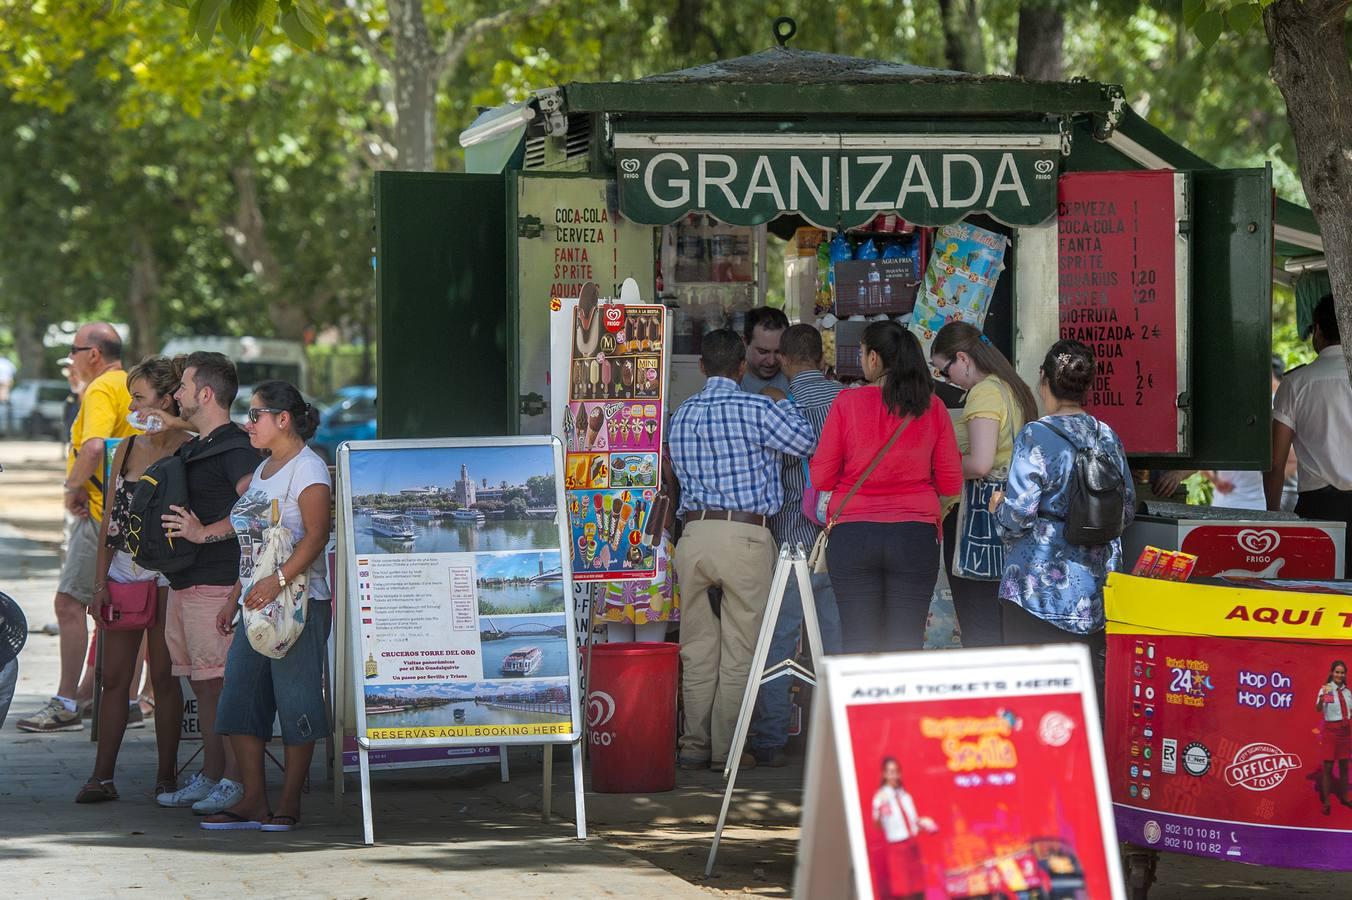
{"type": "Point", "coordinates": [631, 714]}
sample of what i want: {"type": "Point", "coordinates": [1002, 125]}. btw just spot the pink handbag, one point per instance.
{"type": "Point", "coordinates": [132, 605]}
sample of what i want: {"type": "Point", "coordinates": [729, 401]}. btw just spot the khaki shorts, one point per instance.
{"type": "Point", "coordinates": [196, 648]}
{"type": "Point", "coordinates": [82, 551]}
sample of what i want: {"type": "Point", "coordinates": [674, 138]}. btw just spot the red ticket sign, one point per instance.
{"type": "Point", "coordinates": [980, 778]}
{"type": "Point", "coordinates": [1116, 251]}
{"type": "Point", "coordinates": [1219, 739]}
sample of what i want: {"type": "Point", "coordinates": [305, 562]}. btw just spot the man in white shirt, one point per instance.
{"type": "Point", "coordinates": [1313, 410]}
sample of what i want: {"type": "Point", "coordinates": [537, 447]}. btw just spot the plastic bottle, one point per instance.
{"type": "Point", "coordinates": [875, 287]}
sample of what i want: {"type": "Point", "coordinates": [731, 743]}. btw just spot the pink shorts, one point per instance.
{"type": "Point", "coordinates": [196, 648]}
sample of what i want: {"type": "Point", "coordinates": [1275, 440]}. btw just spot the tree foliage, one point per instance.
{"type": "Point", "coordinates": [198, 166]}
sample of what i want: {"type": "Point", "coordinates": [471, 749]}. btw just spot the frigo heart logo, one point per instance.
{"type": "Point", "coordinates": [1043, 166]}
{"type": "Point", "coordinates": [630, 165]}
{"type": "Point", "coordinates": [600, 708]}
{"type": "Point", "coordinates": [1259, 542]}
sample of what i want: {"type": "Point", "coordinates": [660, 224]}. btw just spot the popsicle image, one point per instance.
{"type": "Point", "coordinates": [615, 507]}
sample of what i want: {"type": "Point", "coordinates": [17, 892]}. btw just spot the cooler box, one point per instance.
{"type": "Point", "coordinates": [1239, 543]}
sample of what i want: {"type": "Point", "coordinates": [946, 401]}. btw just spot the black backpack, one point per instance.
{"type": "Point", "coordinates": [165, 484]}
{"type": "Point", "coordinates": [1097, 493]}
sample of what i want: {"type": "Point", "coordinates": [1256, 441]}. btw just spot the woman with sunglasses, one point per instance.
{"type": "Point", "coordinates": [152, 385]}
{"type": "Point", "coordinates": [997, 405]}
{"type": "Point", "coordinates": [291, 487]}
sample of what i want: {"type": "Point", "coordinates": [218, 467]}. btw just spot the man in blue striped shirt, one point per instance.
{"type": "Point", "coordinates": [726, 448]}
{"type": "Point", "coordinates": [800, 351]}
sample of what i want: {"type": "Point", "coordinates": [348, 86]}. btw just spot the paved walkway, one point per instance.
{"type": "Point", "coordinates": [458, 832]}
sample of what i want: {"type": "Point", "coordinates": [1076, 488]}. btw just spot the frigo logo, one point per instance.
{"type": "Point", "coordinates": [630, 166]}
{"type": "Point", "coordinates": [600, 709]}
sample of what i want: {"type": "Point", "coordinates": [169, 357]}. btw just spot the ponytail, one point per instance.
{"type": "Point", "coordinates": [284, 396]}
{"type": "Point", "coordinates": [907, 386]}
{"type": "Point", "coordinates": [963, 337]}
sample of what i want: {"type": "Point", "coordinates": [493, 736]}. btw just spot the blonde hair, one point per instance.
{"type": "Point", "coordinates": [162, 374]}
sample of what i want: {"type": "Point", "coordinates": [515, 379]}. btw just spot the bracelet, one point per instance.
{"type": "Point", "coordinates": [281, 579]}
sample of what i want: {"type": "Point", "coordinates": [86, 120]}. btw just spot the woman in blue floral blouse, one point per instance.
{"type": "Point", "coordinates": [1054, 589]}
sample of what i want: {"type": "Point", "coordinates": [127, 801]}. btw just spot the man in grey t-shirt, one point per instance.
{"type": "Point", "coordinates": [764, 327]}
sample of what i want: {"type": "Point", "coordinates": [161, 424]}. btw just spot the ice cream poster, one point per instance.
{"type": "Point", "coordinates": [612, 427]}
{"type": "Point", "coordinates": [960, 280]}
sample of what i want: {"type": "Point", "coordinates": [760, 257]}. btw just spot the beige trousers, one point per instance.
{"type": "Point", "coordinates": [716, 652]}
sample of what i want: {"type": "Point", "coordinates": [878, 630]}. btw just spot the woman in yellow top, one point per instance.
{"type": "Point", "coordinates": [997, 406]}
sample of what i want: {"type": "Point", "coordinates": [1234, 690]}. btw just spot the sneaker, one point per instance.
{"type": "Point", "coordinates": [86, 709]}
{"type": "Point", "coordinates": [772, 759]}
{"type": "Point", "coordinates": [52, 717]}
{"type": "Point", "coordinates": [224, 795]}
{"type": "Point", "coordinates": [135, 718]}
{"type": "Point", "coordinates": [196, 789]}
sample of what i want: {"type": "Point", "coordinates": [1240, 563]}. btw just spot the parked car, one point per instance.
{"type": "Point", "coordinates": [35, 409]}
{"type": "Point", "coordinates": [352, 417]}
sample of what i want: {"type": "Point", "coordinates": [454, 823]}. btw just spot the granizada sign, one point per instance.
{"type": "Point", "coordinates": [836, 180]}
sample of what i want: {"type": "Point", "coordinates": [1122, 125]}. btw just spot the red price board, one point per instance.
{"type": "Point", "coordinates": [1117, 249]}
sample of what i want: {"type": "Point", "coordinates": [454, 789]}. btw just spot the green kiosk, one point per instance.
{"type": "Point", "coordinates": [702, 184]}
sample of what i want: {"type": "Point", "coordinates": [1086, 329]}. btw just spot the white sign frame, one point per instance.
{"type": "Point", "coordinates": [347, 565]}
{"type": "Point", "coordinates": [833, 849]}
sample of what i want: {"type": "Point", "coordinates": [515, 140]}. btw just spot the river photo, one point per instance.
{"type": "Point", "coordinates": [476, 703]}
{"type": "Point", "coordinates": [523, 646]}
{"type": "Point", "coordinates": [470, 499]}
{"type": "Point", "coordinates": [375, 534]}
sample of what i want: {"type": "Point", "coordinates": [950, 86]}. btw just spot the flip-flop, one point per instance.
{"type": "Point", "coordinates": [291, 824]}
{"type": "Point", "coordinates": [236, 823]}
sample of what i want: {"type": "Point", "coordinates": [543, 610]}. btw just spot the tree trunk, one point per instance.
{"type": "Point", "coordinates": [143, 301]}
{"type": "Point", "coordinates": [249, 244]}
{"type": "Point", "coordinates": [1042, 28]}
{"type": "Point", "coordinates": [416, 70]}
{"type": "Point", "coordinates": [29, 327]}
{"type": "Point", "coordinates": [962, 35]}
{"type": "Point", "coordinates": [1310, 65]}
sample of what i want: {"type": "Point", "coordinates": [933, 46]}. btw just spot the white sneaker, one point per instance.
{"type": "Point", "coordinates": [197, 789]}
{"type": "Point", "coordinates": [224, 795]}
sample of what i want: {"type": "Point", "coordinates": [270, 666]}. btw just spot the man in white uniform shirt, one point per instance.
{"type": "Point", "coordinates": [1313, 410]}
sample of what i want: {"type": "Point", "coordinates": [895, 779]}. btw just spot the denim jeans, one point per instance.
{"type": "Point", "coordinates": [259, 689]}
{"type": "Point", "coordinates": [9, 677]}
{"type": "Point", "coordinates": [770, 726]}
{"type": "Point", "coordinates": [884, 575]}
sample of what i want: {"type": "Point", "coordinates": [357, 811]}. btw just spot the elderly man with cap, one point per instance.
{"type": "Point", "coordinates": [726, 448]}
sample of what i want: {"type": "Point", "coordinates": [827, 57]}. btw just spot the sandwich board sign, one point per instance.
{"type": "Point", "coordinates": [965, 774]}
{"type": "Point", "coordinates": [459, 598]}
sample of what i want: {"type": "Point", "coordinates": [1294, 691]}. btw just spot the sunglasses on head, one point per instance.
{"type": "Point", "coordinates": [257, 411]}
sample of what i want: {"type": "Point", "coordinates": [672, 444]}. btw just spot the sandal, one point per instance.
{"type": "Point", "coordinates": [167, 786]}
{"type": "Point", "coordinates": [281, 823]}
{"type": "Point", "coordinates": [96, 791]}
{"type": "Point", "coordinates": [231, 822]}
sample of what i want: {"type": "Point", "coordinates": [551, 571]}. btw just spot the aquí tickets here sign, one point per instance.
{"type": "Point", "coordinates": [836, 180]}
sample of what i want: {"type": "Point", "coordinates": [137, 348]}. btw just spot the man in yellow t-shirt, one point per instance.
{"type": "Point", "coordinates": [96, 358]}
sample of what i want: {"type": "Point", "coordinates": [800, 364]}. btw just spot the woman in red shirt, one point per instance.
{"type": "Point", "coordinates": [884, 549]}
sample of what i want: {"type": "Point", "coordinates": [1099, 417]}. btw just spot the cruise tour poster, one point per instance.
{"type": "Point", "coordinates": [459, 592]}
{"type": "Point", "coordinates": [976, 780]}
{"type": "Point", "coordinates": [1229, 734]}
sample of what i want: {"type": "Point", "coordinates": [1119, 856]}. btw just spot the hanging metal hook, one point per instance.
{"type": "Point", "coordinates": [785, 28]}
